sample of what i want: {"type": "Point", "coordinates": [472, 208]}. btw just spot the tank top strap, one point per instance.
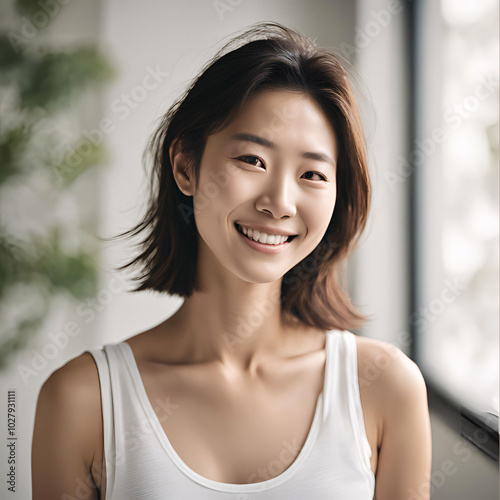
{"type": "Point", "coordinates": [354, 398]}
{"type": "Point", "coordinates": [331, 369]}
{"type": "Point", "coordinates": [100, 356]}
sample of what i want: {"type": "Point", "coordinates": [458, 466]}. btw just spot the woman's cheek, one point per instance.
{"type": "Point", "coordinates": [317, 211]}
{"type": "Point", "coordinates": [212, 187]}
{"type": "Point", "coordinates": [238, 187]}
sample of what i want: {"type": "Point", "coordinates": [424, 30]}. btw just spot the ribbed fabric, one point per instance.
{"type": "Point", "coordinates": [333, 464]}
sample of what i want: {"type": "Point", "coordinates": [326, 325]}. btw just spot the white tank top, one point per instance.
{"type": "Point", "coordinates": [333, 464]}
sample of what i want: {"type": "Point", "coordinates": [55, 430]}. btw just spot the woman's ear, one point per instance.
{"type": "Point", "coordinates": [180, 169]}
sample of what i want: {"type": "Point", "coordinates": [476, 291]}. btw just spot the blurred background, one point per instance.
{"type": "Point", "coordinates": [81, 86]}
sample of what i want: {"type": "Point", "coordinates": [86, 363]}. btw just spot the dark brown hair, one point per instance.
{"type": "Point", "coordinates": [272, 57]}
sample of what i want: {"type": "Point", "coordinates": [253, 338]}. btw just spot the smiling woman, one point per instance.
{"type": "Point", "coordinates": [255, 386]}
{"type": "Point", "coordinates": [276, 86]}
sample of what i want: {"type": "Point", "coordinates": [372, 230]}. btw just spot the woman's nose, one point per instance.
{"type": "Point", "coordinates": [278, 199]}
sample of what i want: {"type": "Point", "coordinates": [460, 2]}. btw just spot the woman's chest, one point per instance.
{"type": "Point", "coordinates": [246, 431]}
{"type": "Point", "coordinates": [243, 433]}
{"type": "Point", "coordinates": [238, 434]}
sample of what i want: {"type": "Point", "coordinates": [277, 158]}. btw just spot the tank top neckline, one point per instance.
{"type": "Point", "coordinates": [218, 485]}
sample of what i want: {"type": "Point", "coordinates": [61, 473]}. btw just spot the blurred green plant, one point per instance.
{"type": "Point", "coordinates": [37, 86]}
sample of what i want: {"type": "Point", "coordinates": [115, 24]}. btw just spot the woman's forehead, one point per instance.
{"type": "Point", "coordinates": [282, 117]}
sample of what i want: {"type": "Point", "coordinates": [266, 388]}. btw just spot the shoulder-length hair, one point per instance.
{"type": "Point", "coordinates": [272, 57]}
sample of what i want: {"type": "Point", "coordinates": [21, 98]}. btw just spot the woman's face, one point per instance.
{"type": "Point", "coordinates": [287, 183]}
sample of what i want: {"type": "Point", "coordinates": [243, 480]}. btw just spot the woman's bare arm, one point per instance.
{"type": "Point", "coordinates": [405, 458]}
{"type": "Point", "coordinates": [66, 422]}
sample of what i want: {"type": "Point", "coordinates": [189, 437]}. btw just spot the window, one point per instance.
{"type": "Point", "coordinates": [456, 193]}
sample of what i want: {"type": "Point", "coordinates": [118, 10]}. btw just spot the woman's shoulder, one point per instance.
{"type": "Point", "coordinates": [389, 378]}
{"type": "Point", "coordinates": [382, 363]}
{"type": "Point", "coordinates": [71, 395]}
{"type": "Point", "coordinates": [78, 372]}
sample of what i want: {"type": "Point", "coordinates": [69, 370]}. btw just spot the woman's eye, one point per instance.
{"type": "Point", "coordinates": [252, 157]}
{"type": "Point", "coordinates": [322, 177]}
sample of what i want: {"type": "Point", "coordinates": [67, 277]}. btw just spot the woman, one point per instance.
{"type": "Point", "coordinates": [255, 387]}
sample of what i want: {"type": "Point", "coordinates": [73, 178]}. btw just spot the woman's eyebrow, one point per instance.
{"type": "Point", "coordinates": [243, 136]}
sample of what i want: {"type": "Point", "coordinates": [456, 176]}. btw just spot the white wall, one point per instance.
{"type": "Point", "coordinates": [380, 261]}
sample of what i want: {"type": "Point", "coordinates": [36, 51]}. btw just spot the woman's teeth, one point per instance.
{"type": "Point", "coordinates": [273, 239]}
